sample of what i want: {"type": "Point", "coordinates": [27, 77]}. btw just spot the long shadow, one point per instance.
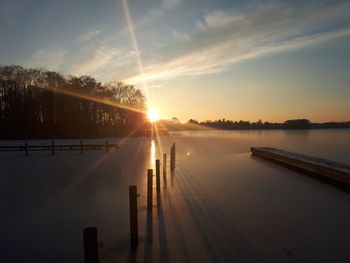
{"type": "Point", "coordinates": [209, 217]}
{"type": "Point", "coordinates": [163, 246]}
{"type": "Point", "coordinates": [201, 223]}
{"type": "Point", "coordinates": [178, 229]}
{"type": "Point", "coordinates": [172, 174]}
{"type": "Point", "coordinates": [148, 251]}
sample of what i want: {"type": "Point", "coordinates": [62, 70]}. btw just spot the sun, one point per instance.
{"type": "Point", "coordinates": [153, 115]}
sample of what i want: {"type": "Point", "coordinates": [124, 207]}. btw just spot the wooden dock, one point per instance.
{"type": "Point", "coordinates": [59, 147]}
{"type": "Point", "coordinates": [321, 168]}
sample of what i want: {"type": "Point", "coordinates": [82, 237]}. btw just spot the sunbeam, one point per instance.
{"type": "Point", "coordinates": [134, 43]}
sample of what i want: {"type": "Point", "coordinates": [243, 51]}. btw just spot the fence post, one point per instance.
{"type": "Point", "coordinates": [149, 189]}
{"type": "Point", "coordinates": [164, 168]}
{"type": "Point", "coordinates": [90, 245]}
{"type": "Point", "coordinates": [81, 147]}
{"type": "Point", "coordinates": [133, 216]}
{"type": "Point", "coordinates": [107, 147]}
{"type": "Point", "coordinates": [26, 149]}
{"type": "Point", "coordinates": [158, 180]}
{"type": "Point", "coordinates": [158, 175]}
{"type": "Point", "coordinates": [53, 147]}
{"type": "Point", "coordinates": [172, 157]}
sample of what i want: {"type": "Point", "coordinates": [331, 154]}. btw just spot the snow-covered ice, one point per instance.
{"type": "Point", "coordinates": [221, 205]}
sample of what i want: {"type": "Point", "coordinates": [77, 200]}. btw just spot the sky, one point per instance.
{"type": "Point", "coordinates": [199, 59]}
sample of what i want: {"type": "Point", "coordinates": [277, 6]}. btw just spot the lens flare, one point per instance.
{"type": "Point", "coordinates": [153, 115]}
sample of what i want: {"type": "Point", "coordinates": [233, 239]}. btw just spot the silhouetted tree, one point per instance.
{"type": "Point", "coordinates": [39, 103]}
{"type": "Point", "coordinates": [223, 124]}
{"type": "Point", "coordinates": [192, 121]}
{"type": "Point", "coordinates": [297, 124]}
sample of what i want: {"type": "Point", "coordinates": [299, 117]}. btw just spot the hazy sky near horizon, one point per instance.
{"type": "Point", "coordinates": [202, 59]}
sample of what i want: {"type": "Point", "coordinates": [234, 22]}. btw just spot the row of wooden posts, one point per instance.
{"type": "Point", "coordinates": [53, 147]}
{"type": "Point", "coordinates": [91, 243]}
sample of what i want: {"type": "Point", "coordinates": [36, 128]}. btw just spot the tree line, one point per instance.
{"type": "Point", "coordinates": [223, 124]}
{"type": "Point", "coordinates": [37, 103]}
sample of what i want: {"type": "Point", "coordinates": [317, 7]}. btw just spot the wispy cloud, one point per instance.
{"type": "Point", "coordinates": [49, 58]}
{"type": "Point", "coordinates": [181, 36]}
{"type": "Point", "coordinates": [224, 38]}
{"type": "Point", "coordinates": [89, 35]}
{"type": "Point", "coordinates": [156, 13]}
{"type": "Point", "coordinates": [218, 19]}
{"type": "Point", "coordinates": [95, 60]}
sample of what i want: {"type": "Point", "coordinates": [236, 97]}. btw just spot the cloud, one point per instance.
{"type": "Point", "coordinates": [224, 38]}
{"type": "Point", "coordinates": [94, 60]}
{"type": "Point", "coordinates": [156, 13]}
{"type": "Point", "coordinates": [89, 35]}
{"type": "Point", "coordinates": [181, 36]}
{"type": "Point", "coordinates": [218, 19]}
{"type": "Point", "coordinates": [49, 58]}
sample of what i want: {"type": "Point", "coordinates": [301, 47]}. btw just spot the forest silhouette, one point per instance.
{"type": "Point", "coordinates": [36, 103]}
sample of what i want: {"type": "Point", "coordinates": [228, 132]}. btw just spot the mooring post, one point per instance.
{"type": "Point", "coordinates": [172, 157]}
{"type": "Point", "coordinates": [26, 149]}
{"type": "Point", "coordinates": [134, 232]}
{"type": "Point", "coordinates": [158, 180]}
{"type": "Point", "coordinates": [53, 147]}
{"type": "Point", "coordinates": [149, 189]}
{"type": "Point", "coordinates": [81, 147]}
{"type": "Point", "coordinates": [107, 147]}
{"type": "Point", "coordinates": [90, 245]}
{"type": "Point", "coordinates": [164, 169]}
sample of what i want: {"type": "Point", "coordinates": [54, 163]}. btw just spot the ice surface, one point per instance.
{"type": "Point", "coordinates": [308, 159]}
{"type": "Point", "coordinates": [221, 205]}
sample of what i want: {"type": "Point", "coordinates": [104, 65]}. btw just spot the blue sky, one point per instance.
{"type": "Point", "coordinates": [270, 60]}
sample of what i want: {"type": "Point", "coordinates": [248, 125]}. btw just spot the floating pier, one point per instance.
{"type": "Point", "coordinates": [320, 168]}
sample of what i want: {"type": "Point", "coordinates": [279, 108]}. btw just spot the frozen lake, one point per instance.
{"type": "Point", "coordinates": [221, 205]}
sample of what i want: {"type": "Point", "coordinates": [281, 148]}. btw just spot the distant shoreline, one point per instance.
{"type": "Point", "coordinates": [260, 129]}
{"type": "Point", "coordinates": [223, 124]}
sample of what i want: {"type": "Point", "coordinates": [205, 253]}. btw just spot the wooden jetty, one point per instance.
{"type": "Point", "coordinates": [59, 147]}
{"type": "Point", "coordinates": [321, 168]}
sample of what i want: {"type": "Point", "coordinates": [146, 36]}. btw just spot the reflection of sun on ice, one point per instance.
{"type": "Point", "coordinates": [153, 115]}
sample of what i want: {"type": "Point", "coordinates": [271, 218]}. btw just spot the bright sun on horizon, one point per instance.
{"type": "Point", "coordinates": [153, 114]}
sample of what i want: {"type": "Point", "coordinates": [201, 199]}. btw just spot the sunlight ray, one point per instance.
{"type": "Point", "coordinates": [160, 146]}
{"type": "Point", "coordinates": [100, 100]}
{"type": "Point", "coordinates": [153, 154]}
{"type": "Point", "coordinates": [135, 44]}
{"type": "Point", "coordinates": [130, 133]}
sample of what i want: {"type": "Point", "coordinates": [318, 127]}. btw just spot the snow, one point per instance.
{"type": "Point", "coordinates": [221, 205]}
{"type": "Point", "coordinates": [309, 159]}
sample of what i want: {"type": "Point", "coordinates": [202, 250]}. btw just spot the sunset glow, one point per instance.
{"type": "Point", "coordinates": [153, 115]}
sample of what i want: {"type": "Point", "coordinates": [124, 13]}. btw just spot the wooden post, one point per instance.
{"type": "Point", "coordinates": [53, 147]}
{"type": "Point", "coordinates": [149, 189]}
{"type": "Point", "coordinates": [81, 147]}
{"type": "Point", "coordinates": [158, 180]}
{"type": "Point", "coordinates": [90, 245]}
{"type": "Point", "coordinates": [26, 149]}
{"type": "Point", "coordinates": [172, 157]}
{"type": "Point", "coordinates": [164, 168]}
{"type": "Point", "coordinates": [134, 233]}
{"type": "Point", "coordinates": [107, 147]}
